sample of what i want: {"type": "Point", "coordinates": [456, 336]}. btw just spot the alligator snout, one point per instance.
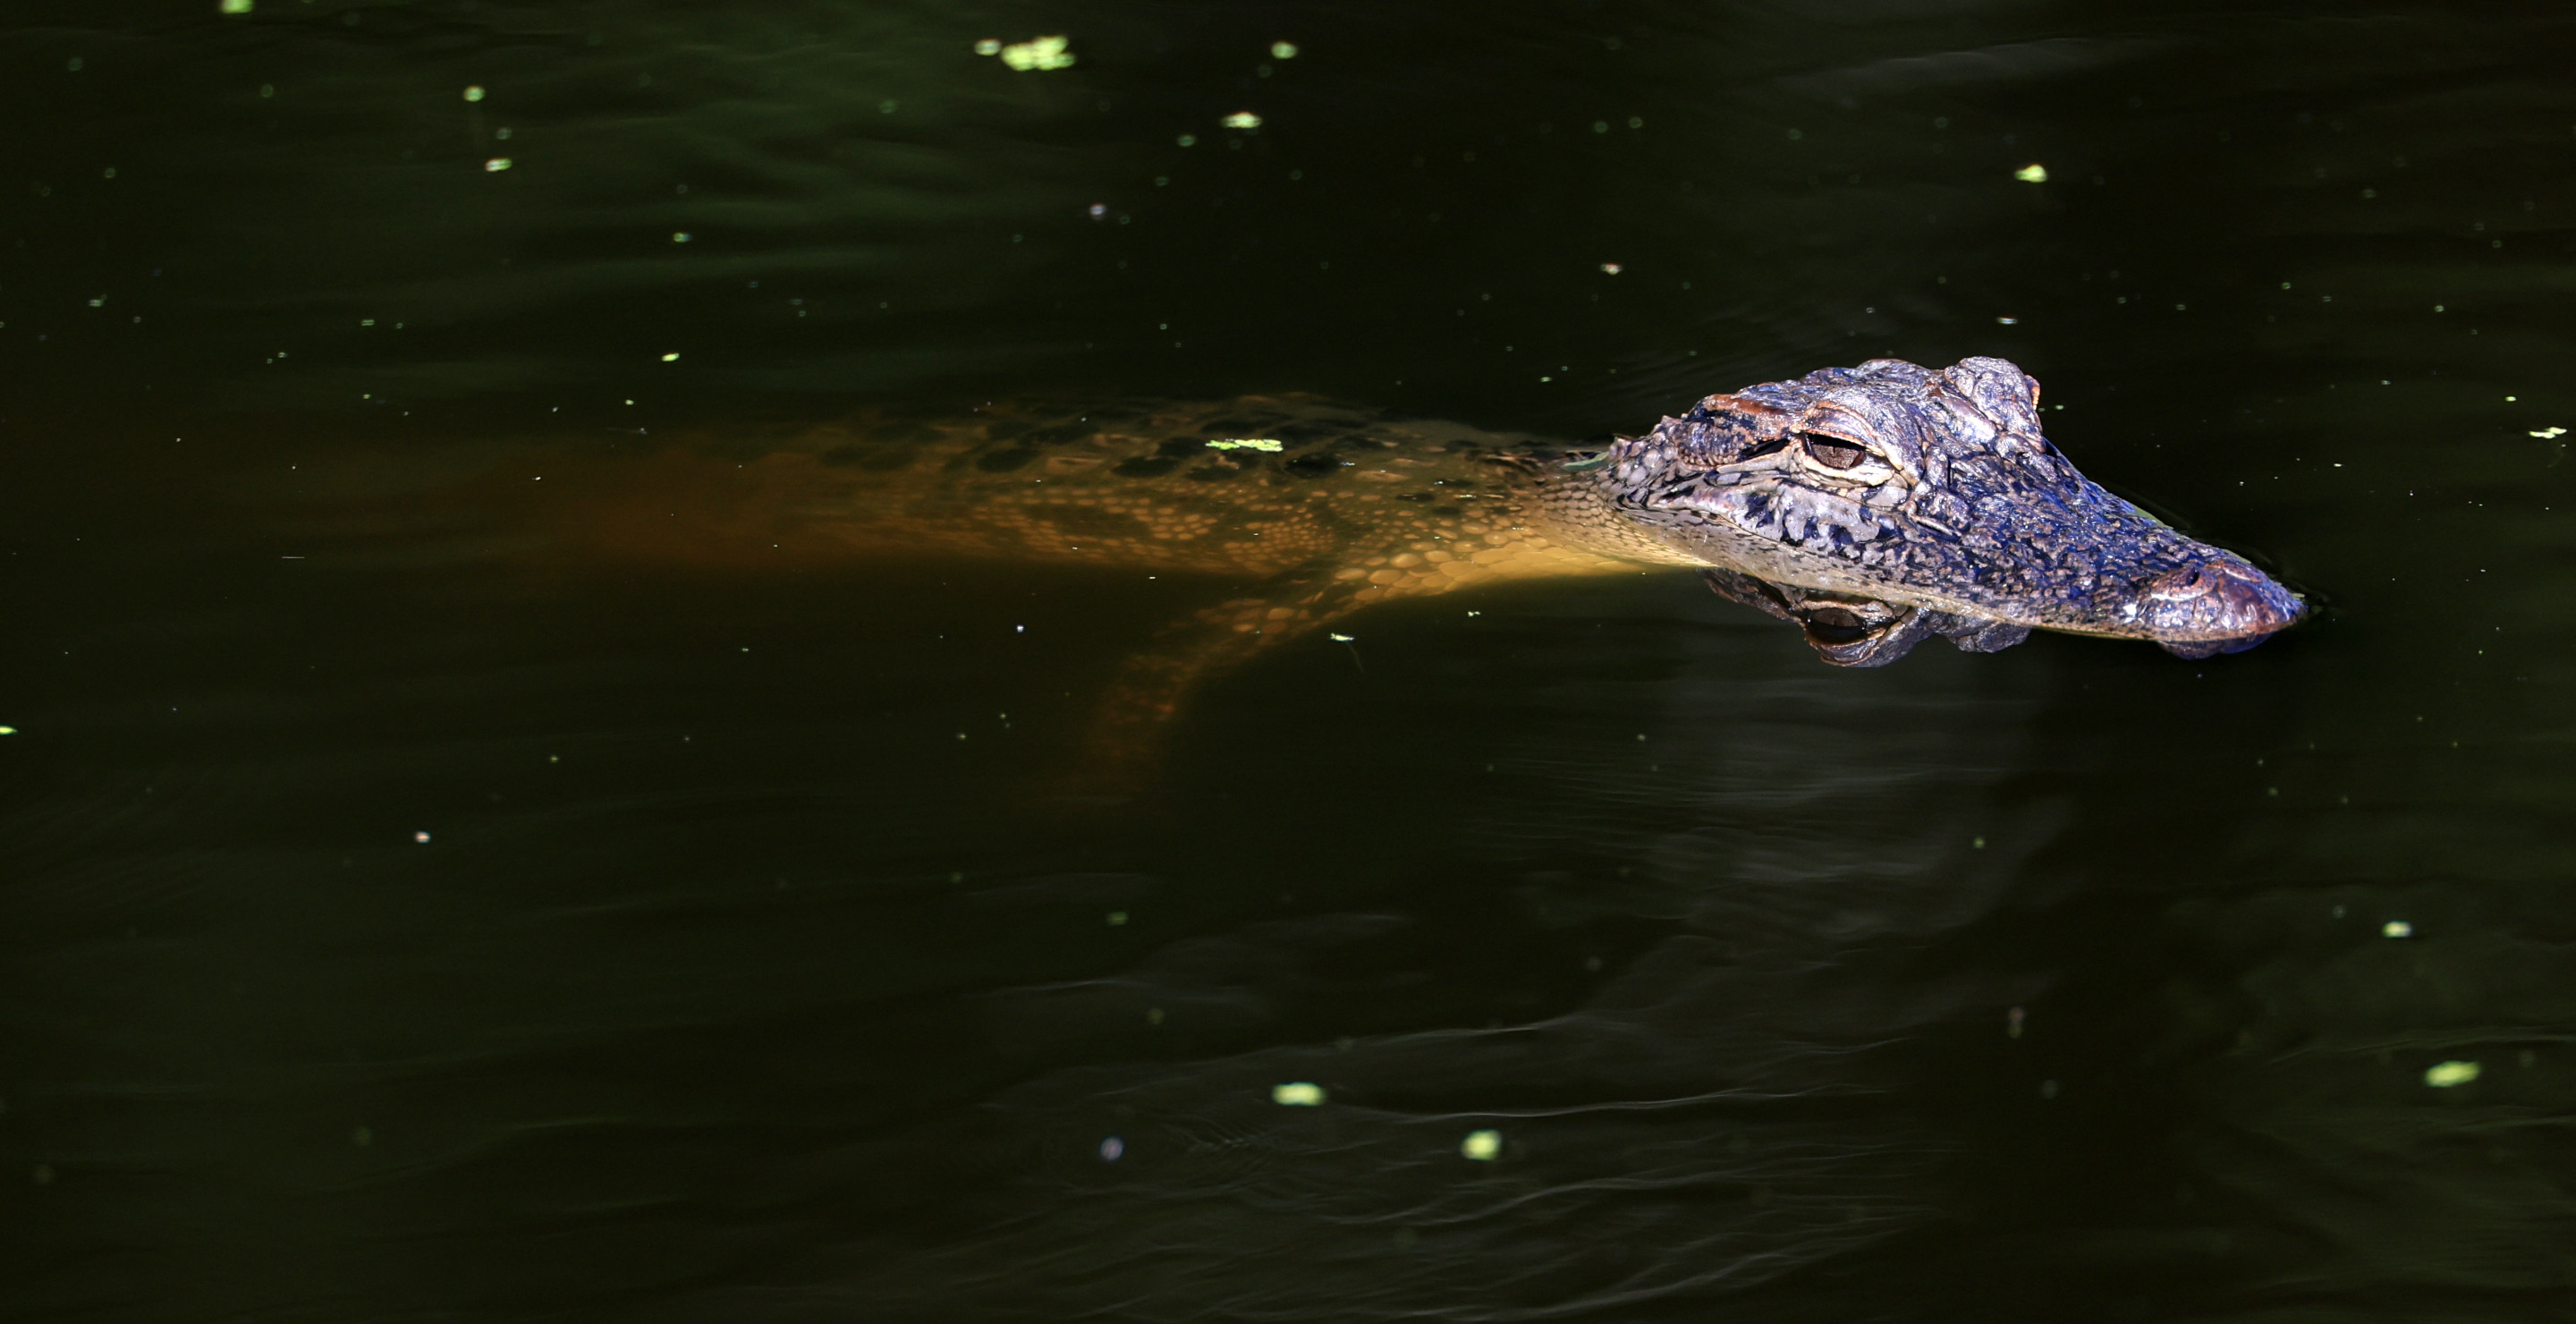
{"type": "Point", "coordinates": [2221, 605]}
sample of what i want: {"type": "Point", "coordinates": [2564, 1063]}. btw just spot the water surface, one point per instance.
{"type": "Point", "coordinates": [414, 913]}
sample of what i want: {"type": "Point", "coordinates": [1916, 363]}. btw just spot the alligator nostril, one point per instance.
{"type": "Point", "coordinates": [2217, 606]}
{"type": "Point", "coordinates": [2183, 585]}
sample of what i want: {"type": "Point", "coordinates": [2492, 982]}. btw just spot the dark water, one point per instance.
{"type": "Point", "coordinates": [756, 964]}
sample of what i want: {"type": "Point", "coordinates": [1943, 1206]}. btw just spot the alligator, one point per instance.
{"type": "Point", "coordinates": [1873, 507]}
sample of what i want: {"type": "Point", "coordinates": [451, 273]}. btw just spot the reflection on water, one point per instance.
{"type": "Point", "coordinates": [413, 911]}
{"type": "Point", "coordinates": [1711, 1112]}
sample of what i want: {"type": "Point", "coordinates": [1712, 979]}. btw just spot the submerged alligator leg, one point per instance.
{"type": "Point", "coordinates": [1153, 683]}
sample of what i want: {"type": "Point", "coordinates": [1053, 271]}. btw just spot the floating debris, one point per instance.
{"type": "Point", "coordinates": [2549, 434]}
{"type": "Point", "coordinates": [1283, 50]}
{"type": "Point", "coordinates": [236, 6]}
{"type": "Point", "coordinates": [1242, 119]}
{"type": "Point", "coordinates": [1610, 268]}
{"type": "Point", "coordinates": [2444, 1075]}
{"type": "Point", "coordinates": [988, 46]}
{"type": "Point", "coordinates": [2034, 173]}
{"type": "Point", "coordinates": [670, 358]}
{"type": "Point", "coordinates": [2007, 321]}
{"type": "Point", "coordinates": [1482, 1146]}
{"type": "Point", "coordinates": [2397, 928]}
{"type": "Point", "coordinates": [474, 91]}
{"type": "Point", "coordinates": [8, 730]}
{"type": "Point", "coordinates": [1099, 211]}
{"type": "Point", "coordinates": [1270, 444]}
{"type": "Point", "coordinates": [1343, 638]}
{"type": "Point", "coordinates": [421, 837]}
{"type": "Point", "coordinates": [1117, 917]}
{"type": "Point", "coordinates": [1037, 53]}
{"type": "Point", "coordinates": [496, 165]}
{"type": "Point", "coordinates": [1111, 1149]}
{"type": "Point", "coordinates": [1297, 1094]}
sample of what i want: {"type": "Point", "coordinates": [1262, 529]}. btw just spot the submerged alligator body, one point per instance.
{"type": "Point", "coordinates": [1874, 507]}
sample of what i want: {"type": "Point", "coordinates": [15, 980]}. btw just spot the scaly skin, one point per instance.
{"type": "Point", "coordinates": [1874, 507]}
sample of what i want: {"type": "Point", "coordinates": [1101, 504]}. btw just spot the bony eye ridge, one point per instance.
{"type": "Point", "coordinates": [1834, 452]}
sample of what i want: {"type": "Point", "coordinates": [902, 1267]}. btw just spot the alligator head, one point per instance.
{"type": "Point", "coordinates": [1879, 505]}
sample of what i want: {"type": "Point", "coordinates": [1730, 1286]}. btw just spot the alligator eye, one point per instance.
{"type": "Point", "coordinates": [1834, 452]}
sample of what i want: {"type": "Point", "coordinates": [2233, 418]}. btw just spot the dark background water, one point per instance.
{"type": "Point", "coordinates": [731, 983]}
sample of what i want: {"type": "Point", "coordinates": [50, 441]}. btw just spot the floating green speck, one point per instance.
{"type": "Point", "coordinates": [1038, 53]}
{"type": "Point", "coordinates": [2444, 1075]}
{"type": "Point", "coordinates": [1245, 444]}
{"type": "Point", "coordinates": [2034, 173]}
{"type": "Point", "coordinates": [1283, 50]}
{"type": "Point", "coordinates": [1297, 1094]}
{"type": "Point", "coordinates": [1482, 1146]}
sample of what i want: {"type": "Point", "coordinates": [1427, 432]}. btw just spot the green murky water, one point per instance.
{"type": "Point", "coordinates": [402, 922]}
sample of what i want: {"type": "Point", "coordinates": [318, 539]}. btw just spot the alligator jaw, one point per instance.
{"type": "Point", "coordinates": [2205, 612]}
